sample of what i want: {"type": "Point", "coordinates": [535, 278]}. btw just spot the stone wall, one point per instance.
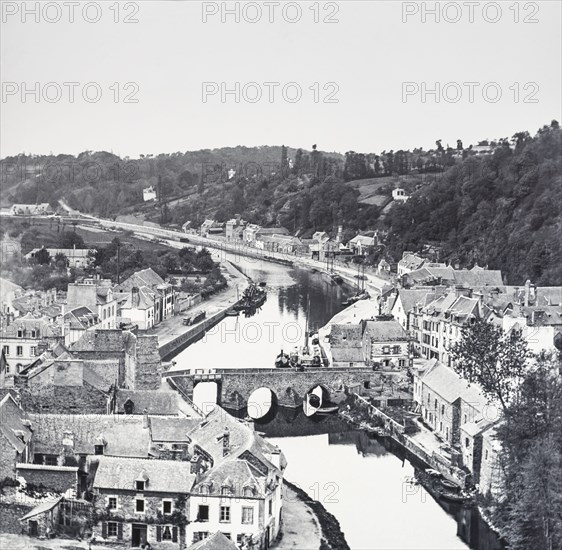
{"type": "Point", "coordinates": [10, 515]}
{"type": "Point", "coordinates": [289, 386]}
{"type": "Point", "coordinates": [54, 478]}
{"type": "Point", "coordinates": [8, 459]}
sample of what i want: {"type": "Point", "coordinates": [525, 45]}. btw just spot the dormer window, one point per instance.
{"type": "Point", "coordinates": [98, 449]}
{"type": "Point", "coordinates": [20, 333]}
{"type": "Point", "coordinates": [249, 491]}
{"type": "Point", "coordinates": [225, 491]}
{"type": "Point", "coordinates": [140, 485]}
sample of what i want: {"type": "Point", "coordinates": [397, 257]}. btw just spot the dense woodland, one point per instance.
{"type": "Point", "coordinates": [503, 210]}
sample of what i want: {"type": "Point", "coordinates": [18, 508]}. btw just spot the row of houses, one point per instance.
{"type": "Point", "coordinates": [169, 480]}
{"type": "Point", "coordinates": [278, 239]}
{"type": "Point", "coordinates": [435, 316]}
{"type": "Point", "coordinates": [31, 320]}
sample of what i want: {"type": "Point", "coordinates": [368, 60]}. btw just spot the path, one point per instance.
{"type": "Point", "coordinates": [301, 530]}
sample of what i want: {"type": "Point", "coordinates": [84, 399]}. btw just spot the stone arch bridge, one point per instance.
{"type": "Point", "coordinates": [234, 386]}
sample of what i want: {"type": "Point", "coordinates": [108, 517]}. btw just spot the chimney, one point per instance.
{"type": "Point", "coordinates": [135, 297]}
{"type": "Point", "coordinates": [226, 442]}
{"type": "Point", "coordinates": [194, 465]}
{"type": "Point", "coordinates": [145, 419]}
{"type": "Point", "coordinates": [527, 292]}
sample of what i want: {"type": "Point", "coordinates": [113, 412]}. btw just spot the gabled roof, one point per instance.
{"type": "Point", "coordinates": [145, 277]}
{"type": "Point", "coordinates": [208, 435]}
{"type": "Point", "coordinates": [445, 382]}
{"type": "Point", "coordinates": [42, 508]}
{"type": "Point", "coordinates": [172, 429]}
{"type": "Point", "coordinates": [385, 331]}
{"type": "Point", "coordinates": [13, 425]}
{"type": "Point", "coordinates": [409, 298]}
{"type": "Point", "coordinates": [234, 474]}
{"type": "Point", "coordinates": [125, 436]}
{"type": "Point", "coordinates": [217, 541]}
{"type": "Point", "coordinates": [162, 476]}
{"type": "Point", "coordinates": [411, 261]}
{"type": "Point", "coordinates": [363, 240]}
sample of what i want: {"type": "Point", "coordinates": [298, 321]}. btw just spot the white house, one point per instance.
{"type": "Point", "coordinates": [149, 194]}
{"type": "Point", "coordinates": [399, 195]}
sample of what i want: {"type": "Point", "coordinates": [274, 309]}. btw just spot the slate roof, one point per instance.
{"type": "Point", "coordinates": [163, 476]}
{"type": "Point", "coordinates": [409, 298]}
{"type": "Point", "coordinates": [125, 436]}
{"type": "Point", "coordinates": [154, 402]}
{"type": "Point", "coordinates": [217, 541]}
{"type": "Point", "coordinates": [234, 474]}
{"type": "Point", "coordinates": [42, 508]}
{"type": "Point", "coordinates": [411, 261]}
{"type": "Point", "coordinates": [145, 277]}
{"type": "Point", "coordinates": [81, 318]}
{"type": "Point", "coordinates": [172, 429]}
{"type": "Point", "coordinates": [13, 425]}
{"type": "Point", "coordinates": [7, 287]}
{"type": "Point", "coordinates": [445, 382]}
{"type": "Point", "coordinates": [209, 432]}
{"type": "Point", "coordinates": [27, 323]}
{"type": "Point", "coordinates": [385, 331]}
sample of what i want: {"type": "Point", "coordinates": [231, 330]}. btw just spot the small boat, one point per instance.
{"type": "Point", "coordinates": [336, 278]}
{"type": "Point", "coordinates": [232, 313]}
{"type": "Point", "coordinates": [454, 497]}
{"type": "Point", "coordinates": [312, 401]}
{"type": "Point", "coordinates": [450, 485]}
{"type": "Point", "coordinates": [330, 409]}
{"type": "Point", "coordinates": [433, 473]}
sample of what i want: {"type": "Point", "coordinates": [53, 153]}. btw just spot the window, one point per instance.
{"type": "Point", "coordinates": [51, 460]}
{"type": "Point", "coordinates": [140, 485]}
{"type": "Point", "coordinates": [19, 351]}
{"type": "Point", "coordinates": [486, 455]}
{"type": "Point", "coordinates": [167, 533]}
{"type": "Point", "coordinates": [225, 514]}
{"type": "Point", "coordinates": [6, 350]}
{"type": "Point", "coordinates": [140, 505]}
{"type": "Point", "coordinates": [225, 491]}
{"type": "Point", "coordinates": [247, 515]}
{"type": "Point", "coordinates": [98, 449]}
{"type": "Point", "coordinates": [248, 491]}
{"type": "Point", "coordinates": [112, 503]}
{"type": "Point", "coordinates": [166, 506]}
{"type": "Point", "coordinates": [396, 350]}
{"type": "Point", "coordinates": [402, 362]}
{"type": "Point", "coordinates": [111, 528]}
{"type": "Point", "coordinates": [228, 536]}
{"type": "Point", "coordinates": [440, 426]}
{"type": "Point", "coordinates": [435, 404]}
{"type": "Point", "coordinates": [33, 351]}
{"type": "Point", "coordinates": [20, 333]}
{"type": "Point", "coordinates": [200, 535]}
{"type": "Point", "coordinates": [442, 409]}
{"type": "Point", "coordinates": [386, 350]}
{"type": "Point", "coordinates": [270, 507]}
{"type": "Point", "coordinates": [203, 513]}
{"type": "Point", "coordinates": [466, 442]}
{"type": "Point", "coordinates": [34, 334]}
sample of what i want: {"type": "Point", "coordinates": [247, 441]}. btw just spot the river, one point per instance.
{"type": "Point", "coordinates": [357, 479]}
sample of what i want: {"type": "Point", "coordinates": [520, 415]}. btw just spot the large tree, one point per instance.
{"type": "Point", "coordinates": [493, 359]}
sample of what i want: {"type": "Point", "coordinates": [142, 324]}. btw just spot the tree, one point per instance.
{"type": "Point", "coordinates": [491, 358]}
{"type": "Point", "coordinates": [61, 261]}
{"type": "Point", "coordinates": [69, 239]}
{"type": "Point", "coordinates": [42, 257]}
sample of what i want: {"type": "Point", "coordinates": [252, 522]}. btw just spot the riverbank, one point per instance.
{"type": "Point", "coordinates": [173, 335]}
{"type": "Point", "coordinates": [307, 525]}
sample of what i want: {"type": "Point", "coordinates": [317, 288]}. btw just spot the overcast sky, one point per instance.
{"type": "Point", "coordinates": [368, 54]}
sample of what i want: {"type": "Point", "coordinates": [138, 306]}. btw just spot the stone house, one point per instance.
{"type": "Point", "coordinates": [141, 500]}
{"type": "Point", "coordinates": [67, 385]}
{"type": "Point", "coordinates": [491, 473]}
{"type": "Point", "coordinates": [23, 340]}
{"type": "Point", "coordinates": [385, 344]}
{"type": "Point", "coordinates": [239, 485]}
{"type": "Point", "coordinates": [138, 307]}
{"type": "Point", "coordinates": [362, 245]}
{"type": "Point", "coordinates": [234, 229]}
{"type": "Point", "coordinates": [156, 289]}
{"type": "Point", "coordinates": [446, 401]}
{"type": "Point", "coordinates": [346, 345]}
{"type": "Point", "coordinates": [97, 295]}
{"type": "Point", "coordinates": [77, 321]}
{"type": "Point", "coordinates": [409, 263]}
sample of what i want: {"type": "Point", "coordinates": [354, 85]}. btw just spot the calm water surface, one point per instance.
{"type": "Point", "coordinates": [356, 478]}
